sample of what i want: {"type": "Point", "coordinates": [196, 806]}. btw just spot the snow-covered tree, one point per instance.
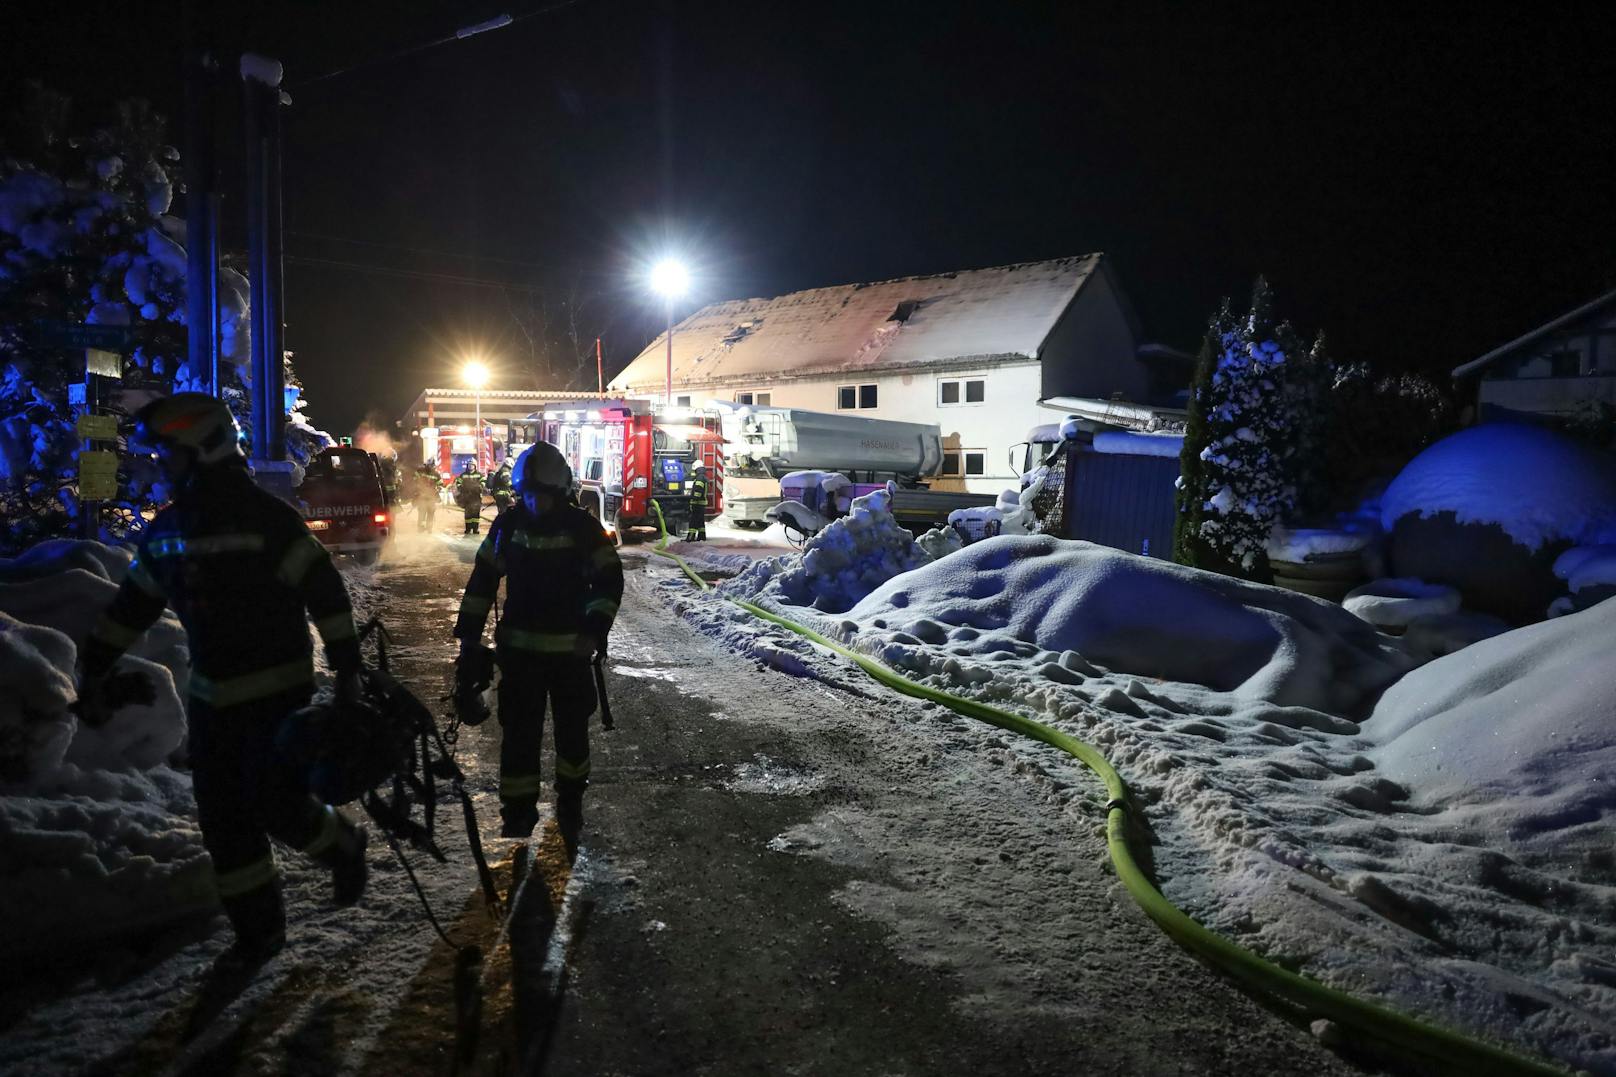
{"type": "Point", "coordinates": [1247, 412]}
{"type": "Point", "coordinates": [86, 238]}
{"type": "Point", "coordinates": [1374, 424]}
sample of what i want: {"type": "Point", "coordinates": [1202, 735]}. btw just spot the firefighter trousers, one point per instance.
{"type": "Point", "coordinates": [696, 522]}
{"type": "Point", "coordinates": [474, 517]}
{"type": "Point", "coordinates": [244, 797]}
{"type": "Point", "coordinates": [526, 683]}
{"type": "Point", "coordinates": [426, 508]}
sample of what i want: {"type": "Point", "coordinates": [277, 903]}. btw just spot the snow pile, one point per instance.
{"type": "Point", "coordinates": [940, 542]}
{"type": "Point", "coordinates": [1394, 603]}
{"type": "Point", "coordinates": [838, 566]}
{"type": "Point", "coordinates": [51, 597]}
{"type": "Point", "coordinates": [1585, 567]}
{"type": "Point", "coordinates": [95, 828]}
{"type": "Point", "coordinates": [1299, 544]}
{"type": "Point", "coordinates": [976, 524]}
{"type": "Point", "coordinates": [1519, 729]}
{"type": "Point", "coordinates": [1537, 485]}
{"type": "Point", "coordinates": [1072, 605]}
{"type": "Point", "coordinates": [1016, 516]}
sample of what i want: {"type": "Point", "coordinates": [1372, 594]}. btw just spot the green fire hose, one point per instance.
{"type": "Point", "coordinates": [1432, 1043]}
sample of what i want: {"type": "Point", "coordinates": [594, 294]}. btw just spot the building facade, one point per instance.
{"type": "Point", "coordinates": [973, 351]}
{"type": "Point", "coordinates": [1556, 370]}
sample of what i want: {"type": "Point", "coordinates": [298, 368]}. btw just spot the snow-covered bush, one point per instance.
{"type": "Point", "coordinates": [1249, 416]}
{"type": "Point", "coordinates": [1372, 426]}
{"type": "Point", "coordinates": [841, 564]}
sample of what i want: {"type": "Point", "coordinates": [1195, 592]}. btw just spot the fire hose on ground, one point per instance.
{"type": "Point", "coordinates": [1433, 1043]}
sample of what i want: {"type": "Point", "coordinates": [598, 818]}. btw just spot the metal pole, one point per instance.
{"type": "Point", "coordinates": [201, 222]}
{"type": "Point", "coordinates": [600, 371]}
{"type": "Point", "coordinates": [667, 395]}
{"type": "Point", "coordinates": [262, 98]}
{"type": "Point", "coordinates": [479, 442]}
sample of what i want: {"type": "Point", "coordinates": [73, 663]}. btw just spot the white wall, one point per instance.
{"type": "Point", "coordinates": [1009, 410]}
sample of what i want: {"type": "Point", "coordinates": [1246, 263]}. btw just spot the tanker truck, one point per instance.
{"type": "Point", "coordinates": [768, 444]}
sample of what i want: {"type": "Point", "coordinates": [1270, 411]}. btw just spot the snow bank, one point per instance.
{"type": "Point", "coordinates": [838, 566]}
{"type": "Point", "coordinates": [1393, 603]}
{"type": "Point", "coordinates": [95, 828]}
{"type": "Point", "coordinates": [1137, 615]}
{"type": "Point", "coordinates": [1129, 443]}
{"type": "Point", "coordinates": [1587, 566]}
{"type": "Point", "coordinates": [1521, 727]}
{"type": "Point", "coordinates": [1298, 544]}
{"type": "Point", "coordinates": [1539, 486]}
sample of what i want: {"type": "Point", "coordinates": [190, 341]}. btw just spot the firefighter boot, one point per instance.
{"type": "Point", "coordinates": [259, 920]}
{"type": "Point", "coordinates": [570, 816]}
{"type": "Point", "coordinates": [350, 869]}
{"type": "Point", "coordinates": [518, 818]}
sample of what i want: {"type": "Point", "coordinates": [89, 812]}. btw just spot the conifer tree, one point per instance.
{"type": "Point", "coordinates": [1241, 452]}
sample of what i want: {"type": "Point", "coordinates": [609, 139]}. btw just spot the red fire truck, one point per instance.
{"type": "Point", "coordinates": [625, 454]}
{"type": "Point", "coordinates": [342, 502]}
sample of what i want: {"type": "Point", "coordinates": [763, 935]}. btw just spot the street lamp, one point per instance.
{"type": "Point", "coordinates": [669, 279]}
{"type": "Point", "coordinates": [475, 374]}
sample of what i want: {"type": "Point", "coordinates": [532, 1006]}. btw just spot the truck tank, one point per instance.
{"type": "Point", "coordinates": [772, 441]}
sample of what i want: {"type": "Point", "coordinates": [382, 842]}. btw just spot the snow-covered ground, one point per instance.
{"type": "Point", "coordinates": [1437, 836]}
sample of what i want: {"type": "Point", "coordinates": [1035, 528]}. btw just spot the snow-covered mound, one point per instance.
{"type": "Point", "coordinates": [1584, 567]}
{"type": "Point", "coordinates": [1538, 485]}
{"type": "Point", "coordinates": [840, 565]}
{"type": "Point", "coordinates": [1394, 603]}
{"type": "Point", "coordinates": [1520, 727]}
{"type": "Point", "coordinates": [1137, 615]}
{"type": "Point", "coordinates": [96, 831]}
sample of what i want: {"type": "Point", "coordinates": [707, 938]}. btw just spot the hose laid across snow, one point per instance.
{"type": "Point", "coordinates": [1434, 1043]}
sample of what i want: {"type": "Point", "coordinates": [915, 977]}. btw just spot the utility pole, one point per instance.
{"type": "Point", "coordinates": [262, 100]}
{"type": "Point", "coordinates": [201, 221]}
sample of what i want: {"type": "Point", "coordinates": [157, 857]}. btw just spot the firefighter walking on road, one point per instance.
{"type": "Point", "coordinates": [469, 496]}
{"type": "Point", "coordinates": [696, 518]}
{"type": "Point", "coordinates": [499, 487]}
{"type": "Point", "coordinates": [428, 486]}
{"type": "Point", "coordinates": [241, 570]}
{"type": "Point", "coordinates": [563, 581]}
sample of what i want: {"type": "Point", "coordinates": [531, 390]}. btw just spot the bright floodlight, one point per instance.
{"type": "Point", "coordinates": [669, 278]}
{"type": "Point", "coordinates": [474, 374]}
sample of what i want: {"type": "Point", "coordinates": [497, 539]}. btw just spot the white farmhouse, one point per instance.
{"type": "Point", "coordinates": [973, 351]}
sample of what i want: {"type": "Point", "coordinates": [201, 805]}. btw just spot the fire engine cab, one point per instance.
{"type": "Point", "coordinates": [627, 454]}
{"type": "Point", "coordinates": [343, 504]}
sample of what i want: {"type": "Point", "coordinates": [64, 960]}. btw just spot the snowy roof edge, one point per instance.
{"type": "Point", "coordinates": [1466, 369]}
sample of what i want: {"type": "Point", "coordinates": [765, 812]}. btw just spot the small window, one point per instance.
{"type": "Point", "coordinates": [951, 464]}
{"type": "Point", "coordinates": [976, 463]}
{"type": "Point", "coordinates": [961, 391]}
{"type": "Point", "coordinates": [681, 401]}
{"type": "Point", "coordinates": [743, 398]}
{"type": "Point", "coordinates": [763, 399]}
{"type": "Point", "coordinates": [1566, 364]}
{"type": "Point", "coordinates": [849, 397]}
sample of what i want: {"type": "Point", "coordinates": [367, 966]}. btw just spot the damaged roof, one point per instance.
{"type": "Point", "coordinates": [999, 313]}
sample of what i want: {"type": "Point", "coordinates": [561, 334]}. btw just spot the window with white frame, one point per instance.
{"type": "Point", "coordinates": [951, 463]}
{"type": "Point", "coordinates": [759, 399]}
{"type": "Point", "coordinates": [851, 397]}
{"type": "Point", "coordinates": [953, 391]}
{"type": "Point", "coordinates": [976, 461]}
{"type": "Point", "coordinates": [681, 401]}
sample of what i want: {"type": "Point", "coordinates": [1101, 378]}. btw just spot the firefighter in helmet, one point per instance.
{"type": "Point", "coordinates": [428, 485]}
{"type": "Point", "coordinates": [469, 496]}
{"type": "Point", "coordinates": [245, 576]}
{"type": "Point", "coordinates": [696, 516]}
{"type": "Point", "coordinates": [499, 487]}
{"type": "Point", "coordinates": [563, 583]}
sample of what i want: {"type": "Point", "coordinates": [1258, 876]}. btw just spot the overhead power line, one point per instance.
{"type": "Point", "coordinates": [417, 274]}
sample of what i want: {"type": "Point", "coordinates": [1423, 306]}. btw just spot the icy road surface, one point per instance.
{"type": "Point", "coordinates": [779, 875]}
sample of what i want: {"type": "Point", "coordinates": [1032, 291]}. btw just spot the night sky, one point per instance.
{"type": "Point", "coordinates": [1421, 188]}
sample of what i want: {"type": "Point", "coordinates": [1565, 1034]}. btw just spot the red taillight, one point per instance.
{"type": "Point", "coordinates": [380, 517]}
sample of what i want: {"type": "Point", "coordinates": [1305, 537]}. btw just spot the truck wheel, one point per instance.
{"type": "Point", "coordinates": [368, 557]}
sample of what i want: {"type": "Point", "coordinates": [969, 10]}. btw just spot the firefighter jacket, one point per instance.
{"type": "Point", "coordinates": [696, 490]}
{"type": "Point", "coordinates": [500, 481]}
{"type": "Point", "coordinates": [563, 580]}
{"type": "Point", "coordinates": [239, 567]}
{"type": "Point", "coordinates": [428, 482]}
{"type": "Point", "coordinates": [469, 489]}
